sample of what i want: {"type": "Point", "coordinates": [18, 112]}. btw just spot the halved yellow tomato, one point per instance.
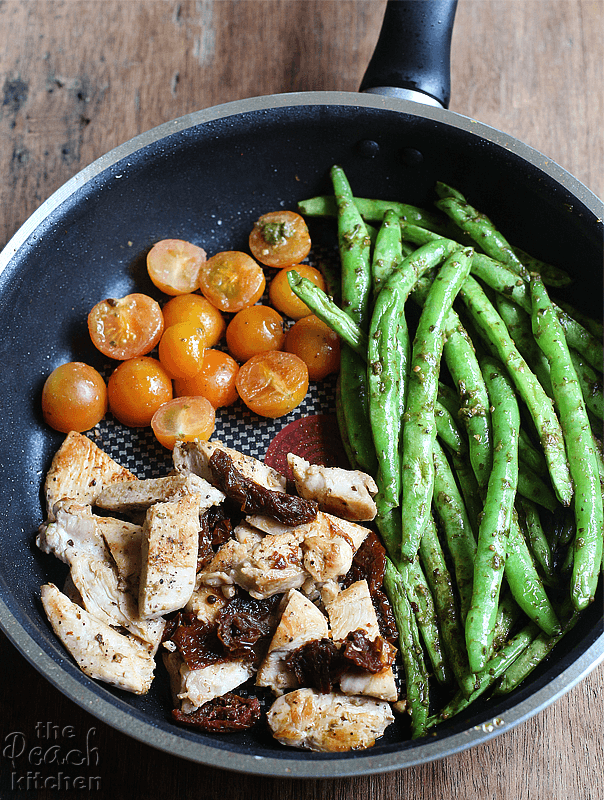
{"type": "Point", "coordinates": [272, 384]}
{"type": "Point", "coordinates": [183, 419]}
{"type": "Point", "coordinates": [173, 265]}
{"type": "Point", "coordinates": [280, 239]}
{"type": "Point", "coordinates": [126, 327]}
{"type": "Point", "coordinates": [232, 280]}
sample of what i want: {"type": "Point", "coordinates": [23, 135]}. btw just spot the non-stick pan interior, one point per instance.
{"type": "Point", "coordinates": [206, 178]}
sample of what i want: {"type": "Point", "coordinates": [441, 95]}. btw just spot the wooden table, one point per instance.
{"type": "Point", "coordinates": [81, 77]}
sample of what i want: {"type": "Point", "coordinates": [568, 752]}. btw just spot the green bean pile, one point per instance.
{"type": "Point", "coordinates": [462, 384]}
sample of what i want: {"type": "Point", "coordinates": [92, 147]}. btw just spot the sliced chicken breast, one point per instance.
{"type": "Point", "coordinates": [344, 492]}
{"type": "Point", "coordinates": [195, 456]}
{"type": "Point", "coordinates": [124, 541]}
{"type": "Point", "coordinates": [169, 556]}
{"type": "Point", "coordinates": [74, 528]}
{"type": "Point", "coordinates": [138, 495]}
{"type": "Point", "coordinates": [80, 470]}
{"type": "Point", "coordinates": [205, 603]}
{"type": "Point", "coordinates": [191, 688]}
{"type": "Point", "coordinates": [328, 723]}
{"type": "Point", "coordinates": [300, 622]}
{"type": "Point", "coordinates": [100, 651]}
{"type": "Point", "coordinates": [111, 601]}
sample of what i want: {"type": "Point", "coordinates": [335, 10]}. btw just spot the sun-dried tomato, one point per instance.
{"type": "Point", "coordinates": [256, 499]}
{"type": "Point", "coordinates": [223, 714]}
{"type": "Point", "coordinates": [243, 622]}
{"type": "Point", "coordinates": [369, 655]}
{"type": "Point", "coordinates": [197, 641]}
{"type": "Point", "coordinates": [369, 563]}
{"type": "Point", "coordinates": [316, 664]}
{"type": "Point", "coordinates": [219, 525]}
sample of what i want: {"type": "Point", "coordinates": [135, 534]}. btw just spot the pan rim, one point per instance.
{"type": "Point", "coordinates": [132, 722]}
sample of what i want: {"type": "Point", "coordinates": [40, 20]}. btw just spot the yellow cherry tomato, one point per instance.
{"type": "Point", "coordinates": [173, 265]}
{"type": "Point", "coordinates": [282, 296]}
{"type": "Point", "coordinates": [136, 389]}
{"type": "Point", "coordinates": [74, 397]}
{"type": "Point", "coordinates": [254, 330]}
{"type": "Point", "coordinates": [183, 419]}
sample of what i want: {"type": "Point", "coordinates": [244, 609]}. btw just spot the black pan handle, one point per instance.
{"type": "Point", "coordinates": [413, 52]}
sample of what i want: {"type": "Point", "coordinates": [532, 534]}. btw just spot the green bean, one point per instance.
{"type": "Point", "coordinates": [518, 323]}
{"type": "Point", "coordinates": [444, 190]}
{"type": "Point", "coordinates": [388, 358]}
{"type": "Point", "coordinates": [441, 584]}
{"type": "Point", "coordinates": [460, 357]}
{"type": "Point", "coordinates": [550, 275]}
{"type": "Point", "coordinates": [580, 339]}
{"type": "Point", "coordinates": [594, 326]}
{"type": "Point", "coordinates": [456, 527]}
{"type": "Point", "coordinates": [324, 307]}
{"type": "Point", "coordinates": [388, 252]}
{"type": "Point", "coordinates": [580, 447]}
{"type": "Point", "coordinates": [536, 538]}
{"type": "Point", "coordinates": [536, 652]}
{"type": "Point", "coordinates": [447, 430]}
{"type": "Point", "coordinates": [354, 252]}
{"type": "Point", "coordinates": [525, 584]}
{"type": "Point", "coordinates": [354, 246]}
{"type": "Point", "coordinates": [419, 428]}
{"type": "Point", "coordinates": [529, 454]}
{"type": "Point", "coordinates": [372, 210]}
{"type": "Point", "coordinates": [460, 461]}
{"type": "Point", "coordinates": [388, 523]}
{"type": "Point", "coordinates": [531, 486]}
{"type": "Point", "coordinates": [416, 675]}
{"type": "Point", "coordinates": [508, 614]}
{"type": "Point", "coordinates": [355, 409]}
{"type": "Point", "coordinates": [590, 383]}
{"type": "Point", "coordinates": [483, 232]}
{"type": "Point", "coordinates": [350, 455]}
{"type": "Point", "coordinates": [494, 527]}
{"type": "Point", "coordinates": [492, 329]}
{"type": "Point", "coordinates": [494, 274]}
{"type": "Point", "coordinates": [493, 669]}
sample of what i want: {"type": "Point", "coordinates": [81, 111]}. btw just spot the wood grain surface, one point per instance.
{"type": "Point", "coordinates": [81, 76]}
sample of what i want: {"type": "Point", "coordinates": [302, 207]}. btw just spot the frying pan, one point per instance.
{"type": "Point", "coordinates": [206, 177]}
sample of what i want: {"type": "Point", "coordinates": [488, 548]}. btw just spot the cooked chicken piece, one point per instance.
{"type": "Point", "coordinates": [273, 566]}
{"type": "Point", "coordinates": [321, 550]}
{"type": "Point", "coordinates": [80, 470]}
{"type": "Point", "coordinates": [328, 723]}
{"type": "Point", "coordinates": [191, 688]}
{"type": "Point", "coordinates": [169, 556]}
{"type": "Point", "coordinates": [76, 537]}
{"type": "Point", "coordinates": [351, 610]}
{"type": "Point", "coordinates": [329, 591]}
{"type": "Point", "coordinates": [195, 456]}
{"type": "Point", "coordinates": [75, 528]}
{"type": "Point", "coordinates": [124, 541]}
{"type": "Point", "coordinates": [356, 534]}
{"type": "Point", "coordinates": [346, 493]}
{"type": "Point", "coordinates": [100, 651]}
{"type": "Point", "coordinates": [205, 603]}
{"type": "Point", "coordinates": [110, 601]}
{"type": "Point", "coordinates": [139, 495]}
{"type": "Point", "coordinates": [247, 534]}
{"type": "Point", "coordinates": [300, 622]}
